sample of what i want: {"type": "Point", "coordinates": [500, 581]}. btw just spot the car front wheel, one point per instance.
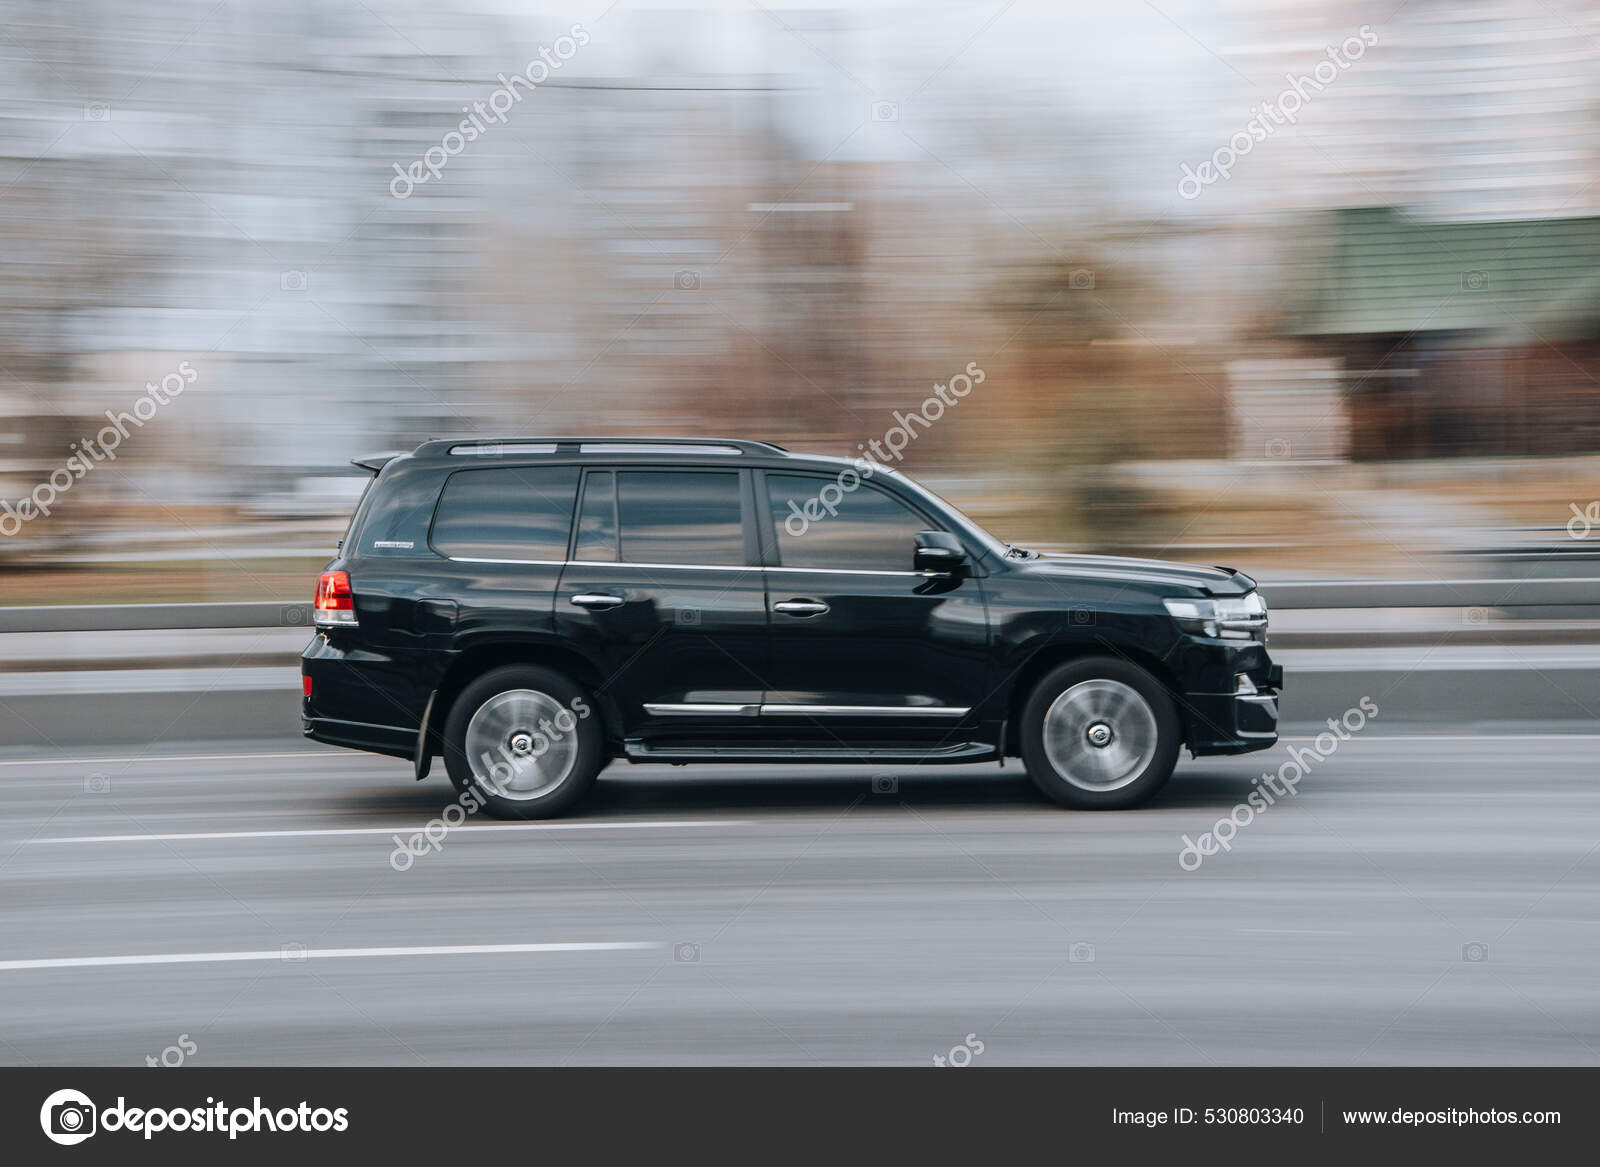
{"type": "Point", "coordinates": [1099, 734]}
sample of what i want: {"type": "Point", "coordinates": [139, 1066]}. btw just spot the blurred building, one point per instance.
{"type": "Point", "coordinates": [1475, 337]}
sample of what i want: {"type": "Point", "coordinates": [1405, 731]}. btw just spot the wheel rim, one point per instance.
{"type": "Point", "coordinates": [511, 753]}
{"type": "Point", "coordinates": [1100, 735]}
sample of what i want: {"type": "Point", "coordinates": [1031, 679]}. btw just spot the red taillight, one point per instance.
{"type": "Point", "coordinates": [334, 606]}
{"type": "Point", "coordinates": [305, 683]}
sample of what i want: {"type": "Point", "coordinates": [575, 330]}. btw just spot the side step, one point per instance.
{"type": "Point", "coordinates": [640, 751]}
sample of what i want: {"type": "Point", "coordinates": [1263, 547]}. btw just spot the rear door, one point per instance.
{"type": "Point", "coordinates": [664, 591]}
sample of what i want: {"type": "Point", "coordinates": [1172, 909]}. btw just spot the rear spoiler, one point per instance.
{"type": "Point", "coordinates": [375, 462]}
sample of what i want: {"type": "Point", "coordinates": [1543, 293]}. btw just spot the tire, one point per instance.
{"type": "Point", "coordinates": [492, 735]}
{"type": "Point", "coordinates": [1099, 734]}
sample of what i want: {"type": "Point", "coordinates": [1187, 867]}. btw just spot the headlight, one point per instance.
{"type": "Point", "coordinates": [1230, 618]}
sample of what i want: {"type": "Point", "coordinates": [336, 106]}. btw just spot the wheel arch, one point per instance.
{"type": "Point", "coordinates": [1049, 657]}
{"type": "Point", "coordinates": [476, 659]}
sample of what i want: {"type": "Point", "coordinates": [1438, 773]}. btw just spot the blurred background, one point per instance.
{"type": "Point", "coordinates": [1307, 288]}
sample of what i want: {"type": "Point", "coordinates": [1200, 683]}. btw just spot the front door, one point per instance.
{"type": "Point", "coordinates": [864, 648]}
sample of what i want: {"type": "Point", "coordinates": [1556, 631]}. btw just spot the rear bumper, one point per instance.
{"type": "Point", "coordinates": [360, 699]}
{"type": "Point", "coordinates": [392, 740]}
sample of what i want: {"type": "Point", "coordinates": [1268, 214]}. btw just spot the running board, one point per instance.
{"type": "Point", "coordinates": [638, 751]}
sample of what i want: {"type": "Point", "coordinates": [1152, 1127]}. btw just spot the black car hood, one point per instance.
{"type": "Point", "coordinates": [1216, 581]}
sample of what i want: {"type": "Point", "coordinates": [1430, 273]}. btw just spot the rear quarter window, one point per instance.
{"type": "Point", "coordinates": [506, 513]}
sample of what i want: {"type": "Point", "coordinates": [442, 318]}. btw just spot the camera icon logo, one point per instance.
{"type": "Point", "coordinates": [68, 1117]}
{"type": "Point", "coordinates": [293, 953]}
{"type": "Point", "coordinates": [1279, 448]}
{"type": "Point", "coordinates": [1475, 953]}
{"type": "Point", "coordinates": [1080, 279]}
{"type": "Point", "coordinates": [685, 953]}
{"type": "Point", "coordinates": [885, 111]}
{"type": "Point", "coordinates": [292, 281]}
{"type": "Point", "coordinates": [1082, 616]}
{"type": "Point", "coordinates": [97, 111]}
{"type": "Point", "coordinates": [1474, 281]}
{"type": "Point", "coordinates": [1479, 616]}
{"type": "Point", "coordinates": [292, 614]}
{"type": "Point", "coordinates": [686, 281]}
{"type": "Point", "coordinates": [688, 617]}
{"type": "Point", "coordinates": [97, 784]}
{"type": "Point", "coordinates": [1080, 953]}
{"type": "Point", "coordinates": [885, 784]}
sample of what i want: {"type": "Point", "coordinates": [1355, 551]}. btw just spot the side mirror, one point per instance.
{"type": "Point", "coordinates": [938, 553]}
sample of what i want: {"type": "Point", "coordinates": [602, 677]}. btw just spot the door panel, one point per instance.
{"type": "Point", "coordinates": [663, 597]}
{"type": "Point", "coordinates": [863, 648]}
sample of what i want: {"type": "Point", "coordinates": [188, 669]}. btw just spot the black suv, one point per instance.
{"type": "Point", "coordinates": [532, 608]}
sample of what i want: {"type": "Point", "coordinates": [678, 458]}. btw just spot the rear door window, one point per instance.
{"type": "Point", "coordinates": [680, 516]}
{"type": "Point", "coordinates": [512, 513]}
{"type": "Point", "coordinates": [597, 520]}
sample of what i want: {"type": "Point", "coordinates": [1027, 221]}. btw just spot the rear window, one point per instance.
{"type": "Point", "coordinates": [512, 513]}
{"type": "Point", "coordinates": [680, 516]}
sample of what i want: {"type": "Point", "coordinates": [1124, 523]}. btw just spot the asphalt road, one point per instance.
{"type": "Point", "coordinates": [722, 915]}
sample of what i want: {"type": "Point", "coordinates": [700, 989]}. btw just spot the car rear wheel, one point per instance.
{"type": "Point", "coordinates": [1099, 734]}
{"type": "Point", "coordinates": [523, 742]}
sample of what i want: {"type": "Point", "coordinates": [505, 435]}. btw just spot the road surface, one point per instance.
{"type": "Point", "coordinates": [1424, 898]}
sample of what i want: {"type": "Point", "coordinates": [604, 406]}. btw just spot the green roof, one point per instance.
{"type": "Point", "coordinates": [1523, 280]}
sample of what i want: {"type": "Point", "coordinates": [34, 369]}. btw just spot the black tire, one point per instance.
{"type": "Point", "coordinates": [499, 710]}
{"type": "Point", "coordinates": [1099, 734]}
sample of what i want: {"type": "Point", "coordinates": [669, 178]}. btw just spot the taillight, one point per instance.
{"type": "Point", "coordinates": [305, 683]}
{"type": "Point", "coordinates": [335, 606]}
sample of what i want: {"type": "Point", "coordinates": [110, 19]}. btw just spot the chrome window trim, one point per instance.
{"type": "Point", "coordinates": [683, 566]}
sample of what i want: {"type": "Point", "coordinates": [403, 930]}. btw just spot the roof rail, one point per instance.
{"type": "Point", "coordinates": [491, 447]}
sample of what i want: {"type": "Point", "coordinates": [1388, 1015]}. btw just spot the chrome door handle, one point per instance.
{"type": "Point", "coordinates": [598, 601]}
{"type": "Point", "coordinates": [800, 608]}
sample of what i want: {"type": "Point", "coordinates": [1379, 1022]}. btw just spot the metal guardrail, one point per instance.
{"type": "Point", "coordinates": [132, 617]}
{"type": "Point", "coordinates": [1419, 593]}
{"type": "Point", "coordinates": [1433, 593]}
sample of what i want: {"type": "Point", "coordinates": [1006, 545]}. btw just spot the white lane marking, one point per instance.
{"type": "Point", "coordinates": [1459, 737]}
{"type": "Point", "coordinates": [408, 829]}
{"type": "Point", "coordinates": [294, 956]}
{"type": "Point", "coordinates": [172, 758]}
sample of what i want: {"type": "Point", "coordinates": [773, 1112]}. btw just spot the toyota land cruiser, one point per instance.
{"type": "Point", "coordinates": [530, 609]}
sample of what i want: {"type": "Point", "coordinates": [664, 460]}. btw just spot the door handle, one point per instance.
{"type": "Point", "coordinates": [596, 601]}
{"type": "Point", "coordinates": [800, 608]}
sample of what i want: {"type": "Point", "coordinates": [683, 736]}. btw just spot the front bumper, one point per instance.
{"type": "Point", "coordinates": [1237, 722]}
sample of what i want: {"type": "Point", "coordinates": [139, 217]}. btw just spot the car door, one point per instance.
{"type": "Point", "coordinates": [864, 648]}
{"type": "Point", "coordinates": [664, 591]}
